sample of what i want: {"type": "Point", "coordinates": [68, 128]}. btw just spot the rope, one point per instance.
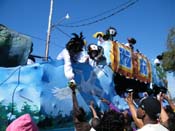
{"type": "Point", "coordinates": [9, 76]}
{"type": "Point", "coordinates": [63, 32]}
{"type": "Point", "coordinates": [126, 5]}
{"type": "Point", "coordinates": [13, 95]}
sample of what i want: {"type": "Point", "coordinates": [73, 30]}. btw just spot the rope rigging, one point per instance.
{"type": "Point", "coordinates": [91, 20]}
{"type": "Point", "coordinates": [114, 11]}
{"type": "Point", "coordinates": [96, 17]}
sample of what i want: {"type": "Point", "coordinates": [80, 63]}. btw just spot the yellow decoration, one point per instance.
{"type": "Point", "coordinates": [98, 33]}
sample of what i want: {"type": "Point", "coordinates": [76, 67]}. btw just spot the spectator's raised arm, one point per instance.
{"type": "Point", "coordinates": [163, 114]}
{"type": "Point", "coordinates": [111, 106]}
{"type": "Point", "coordinates": [170, 102]}
{"type": "Point", "coordinates": [78, 112]}
{"type": "Point", "coordinates": [129, 100]}
{"type": "Point", "coordinates": [95, 121]}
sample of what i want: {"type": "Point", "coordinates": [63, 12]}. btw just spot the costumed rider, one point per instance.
{"type": "Point", "coordinates": [111, 32]}
{"type": "Point", "coordinates": [96, 55]}
{"type": "Point", "coordinates": [160, 71]}
{"type": "Point", "coordinates": [99, 36]}
{"type": "Point", "coordinates": [158, 60]}
{"type": "Point", "coordinates": [74, 52]}
{"type": "Point", "coordinates": [131, 43]}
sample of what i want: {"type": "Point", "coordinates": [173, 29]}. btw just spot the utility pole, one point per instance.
{"type": "Point", "coordinates": [48, 31]}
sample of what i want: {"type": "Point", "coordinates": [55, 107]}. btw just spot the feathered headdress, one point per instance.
{"type": "Point", "coordinates": [75, 44]}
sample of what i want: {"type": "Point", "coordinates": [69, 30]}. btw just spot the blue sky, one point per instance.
{"type": "Point", "coordinates": [148, 21]}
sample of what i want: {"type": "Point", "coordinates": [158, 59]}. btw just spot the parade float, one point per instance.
{"type": "Point", "coordinates": [41, 89]}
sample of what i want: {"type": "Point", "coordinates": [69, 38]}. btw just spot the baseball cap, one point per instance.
{"type": "Point", "coordinates": [151, 106]}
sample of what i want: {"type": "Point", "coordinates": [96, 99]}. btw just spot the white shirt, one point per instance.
{"type": "Point", "coordinates": [92, 129]}
{"type": "Point", "coordinates": [68, 71]}
{"type": "Point", "coordinates": [127, 44]}
{"type": "Point", "coordinates": [157, 61]}
{"type": "Point", "coordinates": [29, 62]}
{"type": "Point", "coordinates": [100, 40]}
{"type": "Point", "coordinates": [153, 127]}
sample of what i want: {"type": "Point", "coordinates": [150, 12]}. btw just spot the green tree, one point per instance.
{"type": "Point", "coordinates": [3, 117]}
{"type": "Point", "coordinates": [169, 55]}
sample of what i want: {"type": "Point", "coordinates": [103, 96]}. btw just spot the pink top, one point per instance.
{"type": "Point", "coordinates": [22, 123]}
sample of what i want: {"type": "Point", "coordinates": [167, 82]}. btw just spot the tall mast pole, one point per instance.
{"type": "Point", "coordinates": [48, 31]}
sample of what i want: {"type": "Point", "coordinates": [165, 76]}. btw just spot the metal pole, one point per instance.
{"type": "Point", "coordinates": [48, 31]}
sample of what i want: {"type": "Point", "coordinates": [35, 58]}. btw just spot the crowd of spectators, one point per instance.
{"type": "Point", "coordinates": [149, 115]}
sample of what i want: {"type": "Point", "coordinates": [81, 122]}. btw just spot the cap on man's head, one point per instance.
{"type": "Point", "coordinates": [131, 40]}
{"type": "Point", "coordinates": [151, 106]}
